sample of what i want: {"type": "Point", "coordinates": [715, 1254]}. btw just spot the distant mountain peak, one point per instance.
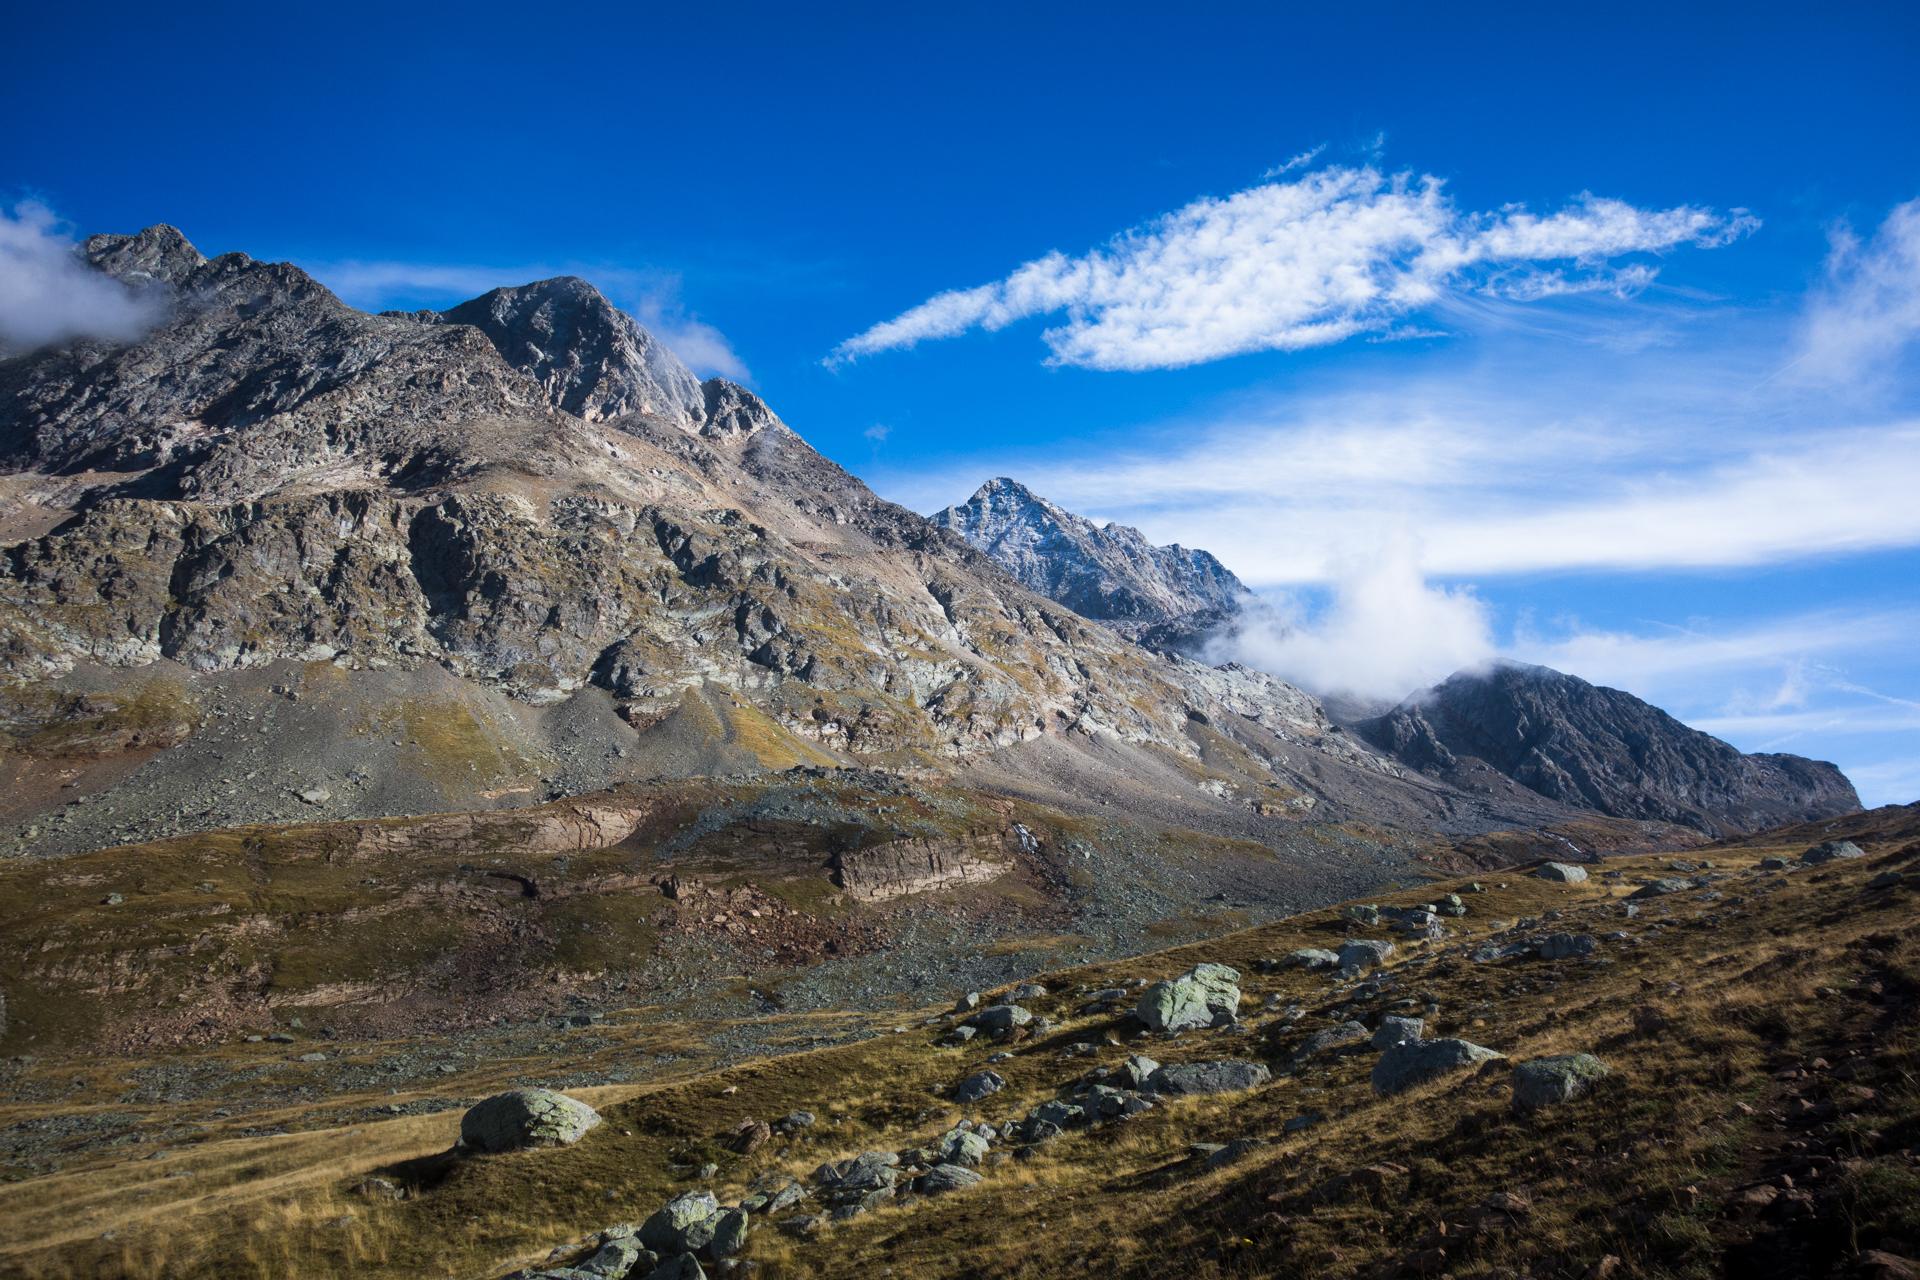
{"type": "Point", "coordinates": [1110, 573]}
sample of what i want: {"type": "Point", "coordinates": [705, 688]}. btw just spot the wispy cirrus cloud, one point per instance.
{"type": "Point", "coordinates": [1299, 262]}
{"type": "Point", "coordinates": [1866, 312]}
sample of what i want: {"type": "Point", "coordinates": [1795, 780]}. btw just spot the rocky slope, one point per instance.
{"type": "Point", "coordinates": [355, 564]}
{"type": "Point", "coordinates": [1597, 748]}
{"type": "Point", "coordinates": [1168, 596]}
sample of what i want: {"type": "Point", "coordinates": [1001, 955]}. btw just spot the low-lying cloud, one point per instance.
{"type": "Point", "coordinates": [50, 295]}
{"type": "Point", "coordinates": [1383, 633]}
{"type": "Point", "coordinates": [1306, 261]}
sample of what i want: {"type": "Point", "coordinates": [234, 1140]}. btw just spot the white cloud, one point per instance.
{"type": "Point", "coordinates": [652, 297]}
{"type": "Point", "coordinates": [1384, 632]}
{"type": "Point", "coordinates": [1867, 310]}
{"type": "Point", "coordinates": [1286, 265]}
{"type": "Point", "coordinates": [878, 432]}
{"type": "Point", "coordinates": [48, 293]}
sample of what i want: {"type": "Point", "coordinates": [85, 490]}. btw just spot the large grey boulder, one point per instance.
{"type": "Point", "coordinates": [1136, 1070]}
{"type": "Point", "coordinates": [1313, 958]}
{"type": "Point", "coordinates": [683, 1267]}
{"type": "Point", "coordinates": [868, 1171]}
{"type": "Point", "coordinates": [1831, 851]}
{"type": "Point", "coordinates": [1543, 1082]}
{"type": "Point", "coordinates": [1561, 872]}
{"type": "Point", "coordinates": [1197, 998]}
{"type": "Point", "coordinates": [1566, 946]}
{"type": "Point", "coordinates": [617, 1258]}
{"type": "Point", "coordinates": [1393, 1029]}
{"type": "Point", "coordinates": [523, 1118]}
{"type": "Point", "coordinates": [1001, 1017]}
{"type": "Point", "coordinates": [1227, 1076]}
{"type": "Point", "coordinates": [684, 1224]}
{"type": "Point", "coordinates": [730, 1233]}
{"type": "Point", "coordinates": [1413, 1062]}
{"type": "Point", "coordinates": [961, 1147]}
{"type": "Point", "coordinates": [1364, 953]}
{"type": "Point", "coordinates": [979, 1085]}
{"type": "Point", "coordinates": [943, 1178]}
{"type": "Point", "coordinates": [1661, 888]}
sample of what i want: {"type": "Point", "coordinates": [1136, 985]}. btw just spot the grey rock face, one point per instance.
{"type": "Point", "coordinates": [1414, 1062]}
{"type": "Point", "coordinates": [1562, 872]}
{"type": "Point", "coordinates": [1109, 574]}
{"type": "Point", "coordinates": [589, 357]}
{"type": "Point", "coordinates": [526, 1118]}
{"type": "Point", "coordinates": [943, 1178]}
{"type": "Point", "coordinates": [1602, 749]}
{"type": "Point", "coordinates": [1195, 999]}
{"type": "Point", "coordinates": [1228, 1076]}
{"type": "Point", "coordinates": [1542, 1082]}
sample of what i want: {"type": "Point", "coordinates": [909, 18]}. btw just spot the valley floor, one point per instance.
{"type": "Point", "coordinates": [1762, 1115]}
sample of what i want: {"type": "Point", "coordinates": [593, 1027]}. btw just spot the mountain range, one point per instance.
{"type": "Point", "coordinates": [516, 550]}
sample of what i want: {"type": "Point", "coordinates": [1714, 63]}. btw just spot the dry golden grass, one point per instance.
{"type": "Point", "coordinates": [1695, 1016]}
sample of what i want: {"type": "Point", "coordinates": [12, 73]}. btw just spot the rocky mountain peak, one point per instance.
{"type": "Point", "coordinates": [1109, 573]}
{"type": "Point", "coordinates": [159, 254]}
{"type": "Point", "coordinates": [593, 360]}
{"type": "Point", "coordinates": [1592, 747]}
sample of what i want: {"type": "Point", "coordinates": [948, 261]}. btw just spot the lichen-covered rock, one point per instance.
{"type": "Point", "coordinates": [1563, 872]}
{"type": "Point", "coordinates": [961, 1147]}
{"type": "Point", "coordinates": [1542, 1082]}
{"type": "Point", "coordinates": [1565, 946]}
{"type": "Point", "coordinates": [943, 1178]}
{"type": "Point", "coordinates": [525, 1118]}
{"type": "Point", "coordinates": [1313, 958]}
{"type": "Point", "coordinates": [1414, 1062]}
{"type": "Point", "coordinates": [1197, 998]}
{"type": "Point", "coordinates": [684, 1224]}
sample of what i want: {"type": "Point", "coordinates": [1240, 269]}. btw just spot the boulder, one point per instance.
{"type": "Point", "coordinates": [1361, 913]}
{"type": "Point", "coordinates": [525, 1118]}
{"type": "Point", "coordinates": [1227, 1076]}
{"type": "Point", "coordinates": [1452, 905]}
{"type": "Point", "coordinates": [1661, 888]}
{"type": "Point", "coordinates": [1393, 1029]}
{"type": "Point", "coordinates": [1313, 958]}
{"type": "Point", "coordinates": [1364, 953]}
{"type": "Point", "coordinates": [1566, 946]}
{"type": "Point", "coordinates": [1025, 991]}
{"type": "Point", "coordinates": [1773, 864]}
{"type": "Point", "coordinates": [1542, 1082]}
{"type": "Point", "coordinates": [869, 1171]}
{"type": "Point", "coordinates": [1413, 1062]}
{"type": "Point", "coordinates": [943, 1178]}
{"type": "Point", "coordinates": [979, 1085]}
{"type": "Point", "coordinates": [684, 1267]}
{"type": "Point", "coordinates": [617, 1258]}
{"type": "Point", "coordinates": [1329, 1038]}
{"type": "Point", "coordinates": [1195, 999]}
{"type": "Point", "coordinates": [1001, 1017]}
{"type": "Point", "coordinates": [1561, 872]}
{"type": "Point", "coordinates": [961, 1147]}
{"type": "Point", "coordinates": [1137, 1070]}
{"type": "Point", "coordinates": [684, 1224]}
{"type": "Point", "coordinates": [1831, 851]}
{"type": "Point", "coordinates": [730, 1233]}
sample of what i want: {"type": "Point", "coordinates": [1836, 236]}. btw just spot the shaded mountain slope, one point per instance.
{"type": "Point", "coordinates": [1596, 748]}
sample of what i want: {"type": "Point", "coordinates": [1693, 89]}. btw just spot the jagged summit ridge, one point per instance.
{"type": "Point", "coordinates": [1597, 748]}
{"type": "Point", "coordinates": [1108, 573]}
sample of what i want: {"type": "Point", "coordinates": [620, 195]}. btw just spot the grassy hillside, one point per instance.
{"type": "Point", "coordinates": [1762, 1117]}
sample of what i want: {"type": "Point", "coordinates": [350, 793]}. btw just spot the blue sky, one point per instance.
{"type": "Point", "coordinates": [1588, 340]}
